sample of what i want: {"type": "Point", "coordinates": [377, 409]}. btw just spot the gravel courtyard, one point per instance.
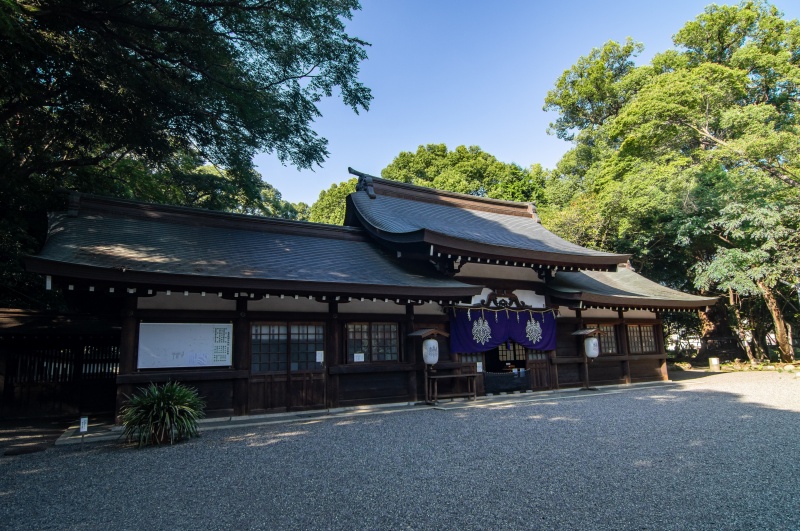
{"type": "Point", "coordinates": [717, 451]}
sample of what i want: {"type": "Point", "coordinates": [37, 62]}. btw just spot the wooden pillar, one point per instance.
{"type": "Point", "coordinates": [241, 358]}
{"type": "Point", "coordinates": [553, 370]}
{"type": "Point", "coordinates": [579, 349]}
{"type": "Point", "coordinates": [127, 349]}
{"type": "Point", "coordinates": [410, 355]}
{"type": "Point", "coordinates": [662, 349]}
{"type": "Point", "coordinates": [622, 330]}
{"type": "Point", "coordinates": [333, 357]}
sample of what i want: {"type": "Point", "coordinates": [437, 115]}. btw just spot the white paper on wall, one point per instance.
{"type": "Point", "coordinates": [170, 345]}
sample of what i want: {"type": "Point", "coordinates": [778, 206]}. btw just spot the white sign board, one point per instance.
{"type": "Point", "coordinates": [167, 345]}
{"type": "Point", "coordinates": [358, 357]}
{"type": "Point", "coordinates": [84, 424]}
{"type": "Point", "coordinates": [320, 356]}
{"type": "Point", "coordinates": [479, 367]}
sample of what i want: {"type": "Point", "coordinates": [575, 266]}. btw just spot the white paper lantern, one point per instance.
{"type": "Point", "coordinates": [592, 347]}
{"type": "Point", "coordinates": [430, 351]}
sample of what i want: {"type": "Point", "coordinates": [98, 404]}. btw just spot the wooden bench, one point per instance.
{"type": "Point", "coordinates": [432, 387]}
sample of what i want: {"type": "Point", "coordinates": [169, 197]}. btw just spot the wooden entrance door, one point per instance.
{"type": "Point", "coordinates": [285, 374]}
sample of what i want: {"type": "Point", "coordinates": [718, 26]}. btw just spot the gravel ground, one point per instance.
{"type": "Point", "coordinates": [715, 452]}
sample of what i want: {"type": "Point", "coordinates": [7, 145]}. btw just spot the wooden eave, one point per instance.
{"type": "Point", "coordinates": [577, 300]}
{"type": "Point", "coordinates": [130, 278]}
{"type": "Point", "coordinates": [448, 245]}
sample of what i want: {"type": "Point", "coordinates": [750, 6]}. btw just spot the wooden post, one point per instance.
{"type": "Point", "coordinates": [659, 337]}
{"type": "Point", "coordinates": [241, 357]}
{"type": "Point", "coordinates": [553, 369]}
{"type": "Point", "coordinates": [622, 330]}
{"type": "Point", "coordinates": [333, 356]}
{"type": "Point", "coordinates": [410, 354]}
{"type": "Point", "coordinates": [127, 350]}
{"type": "Point", "coordinates": [579, 349]}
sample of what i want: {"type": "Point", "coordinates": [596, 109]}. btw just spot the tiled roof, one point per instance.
{"type": "Point", "coordinates": [402, 214]}
{"type": "Point", "coordinates": [133, 239]}
{"type": "Point", "coordinates": [623, 288]}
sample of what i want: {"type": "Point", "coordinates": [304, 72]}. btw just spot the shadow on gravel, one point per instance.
{"type": "Point", "coordinates": [678, 376]}
{"type": "Point", "coordinates": [639, 458]}
{"type": "Point", "coordinates": [30, 435]}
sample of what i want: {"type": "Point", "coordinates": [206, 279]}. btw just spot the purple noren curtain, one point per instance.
{"type": "Point", "coordinates": [482, 330]}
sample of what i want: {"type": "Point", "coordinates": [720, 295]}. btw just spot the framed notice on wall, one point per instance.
{"type": "Point", "coordinates": [170, 345]}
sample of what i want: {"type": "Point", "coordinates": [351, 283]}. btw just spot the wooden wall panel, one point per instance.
{"type": "Point", "coordinates": [267, 393]}
{"type": "Point", "coordinates": [373, 387]}
{"type": "Point", "coordinates": [610, 371]}
{"type": "Point", "coordinates": [646, 370]}
{"type": "Point", "coordinates": [307, 391]}
{"type": "Point", "coordinates": [566, 344]}
{"type": "Point", "coordinates": [569, 374]}
{"type": "Point", "coordinates": [218, 396]}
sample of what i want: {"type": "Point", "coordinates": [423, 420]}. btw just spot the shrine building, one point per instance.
{"type": "Point", "coordinates": [267, 315]}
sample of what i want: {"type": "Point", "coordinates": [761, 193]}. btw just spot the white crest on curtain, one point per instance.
{"type": "Point", "coordinates": [481, 332]}
{"type": "Point", "coordinates": [533, 330]}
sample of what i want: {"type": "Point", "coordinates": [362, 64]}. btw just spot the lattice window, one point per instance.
{"type": "Point", "coordinates": [608, 338]}
{"type": "Point", "coordinates": [306, 340]}
{"type": "Point", "coordinates": [641, 339]}
{"type": "Point", "coordinates": [268, 347]}
{"type": "Point", "coordinates": [376, 341]}
{"type": "Point", "coordinates": [281, 347]}
{"type": "Point", "coordinates": [511, 351]}
{"type": "Point", "coordinates": [384, 343]}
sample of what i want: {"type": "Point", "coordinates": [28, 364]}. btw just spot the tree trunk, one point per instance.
{"type": "Point", "coordinates": [785, 346]}
{"type": "Point", "coordinates": [760, 341]}
{"type": "Point", "coordinates": [718, 339]}
{"type": "Point", "coordinates": [743, 339]}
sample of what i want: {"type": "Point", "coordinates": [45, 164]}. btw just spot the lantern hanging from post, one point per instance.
{"type": "Point", "coordinates": [592, 347]}
{"type": "Point", "coordinates": [430, 351]}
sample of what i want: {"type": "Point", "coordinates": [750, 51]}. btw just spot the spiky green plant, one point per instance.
{"type": "Point", "coordinates": [157, 414]}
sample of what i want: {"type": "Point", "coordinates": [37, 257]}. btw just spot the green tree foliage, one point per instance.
{"type": "Point", "coordinates": [690, 162]}
{"type": "Point", "coordinates": [330, 207]}
{"type": "Point", "coordinates": [736, 101]}
{"type": "Point", "coordinates": [85, 82]}
{"type": "Point", "coordinates": [134, 99]}
{"type": "Point", "coordinates": [594, 89]}
{"type": "Point", "coordinates": [466, 170]}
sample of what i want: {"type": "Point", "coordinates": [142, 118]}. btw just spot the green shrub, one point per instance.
{"type": "Point", "coordinates": [157, 414]}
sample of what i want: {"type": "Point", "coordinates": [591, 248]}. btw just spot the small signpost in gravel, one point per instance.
{"type": "Point", "coordinates": [84, 428]}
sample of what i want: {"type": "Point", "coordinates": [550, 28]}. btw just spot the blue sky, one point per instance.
{"type": "Point", "coordinates": [470, 72]}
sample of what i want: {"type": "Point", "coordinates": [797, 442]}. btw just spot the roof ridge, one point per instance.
{"type": "Point", "coordinates": [415, 192]}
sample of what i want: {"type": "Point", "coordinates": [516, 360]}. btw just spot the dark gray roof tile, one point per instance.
{"type": "Point", "coordinates": [400, 212]}
{"type": "Point", "coordinates": [198, 243]}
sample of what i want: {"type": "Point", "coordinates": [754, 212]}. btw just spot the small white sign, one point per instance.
{"type": "Point", "coordinates": [320, 356]}
{"type": "Point", "coordinates": [479, 367]}
{"type": "Point", "coordinates": [358, 356]}
{"type": "Point", "coordinates": [84, 424]}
